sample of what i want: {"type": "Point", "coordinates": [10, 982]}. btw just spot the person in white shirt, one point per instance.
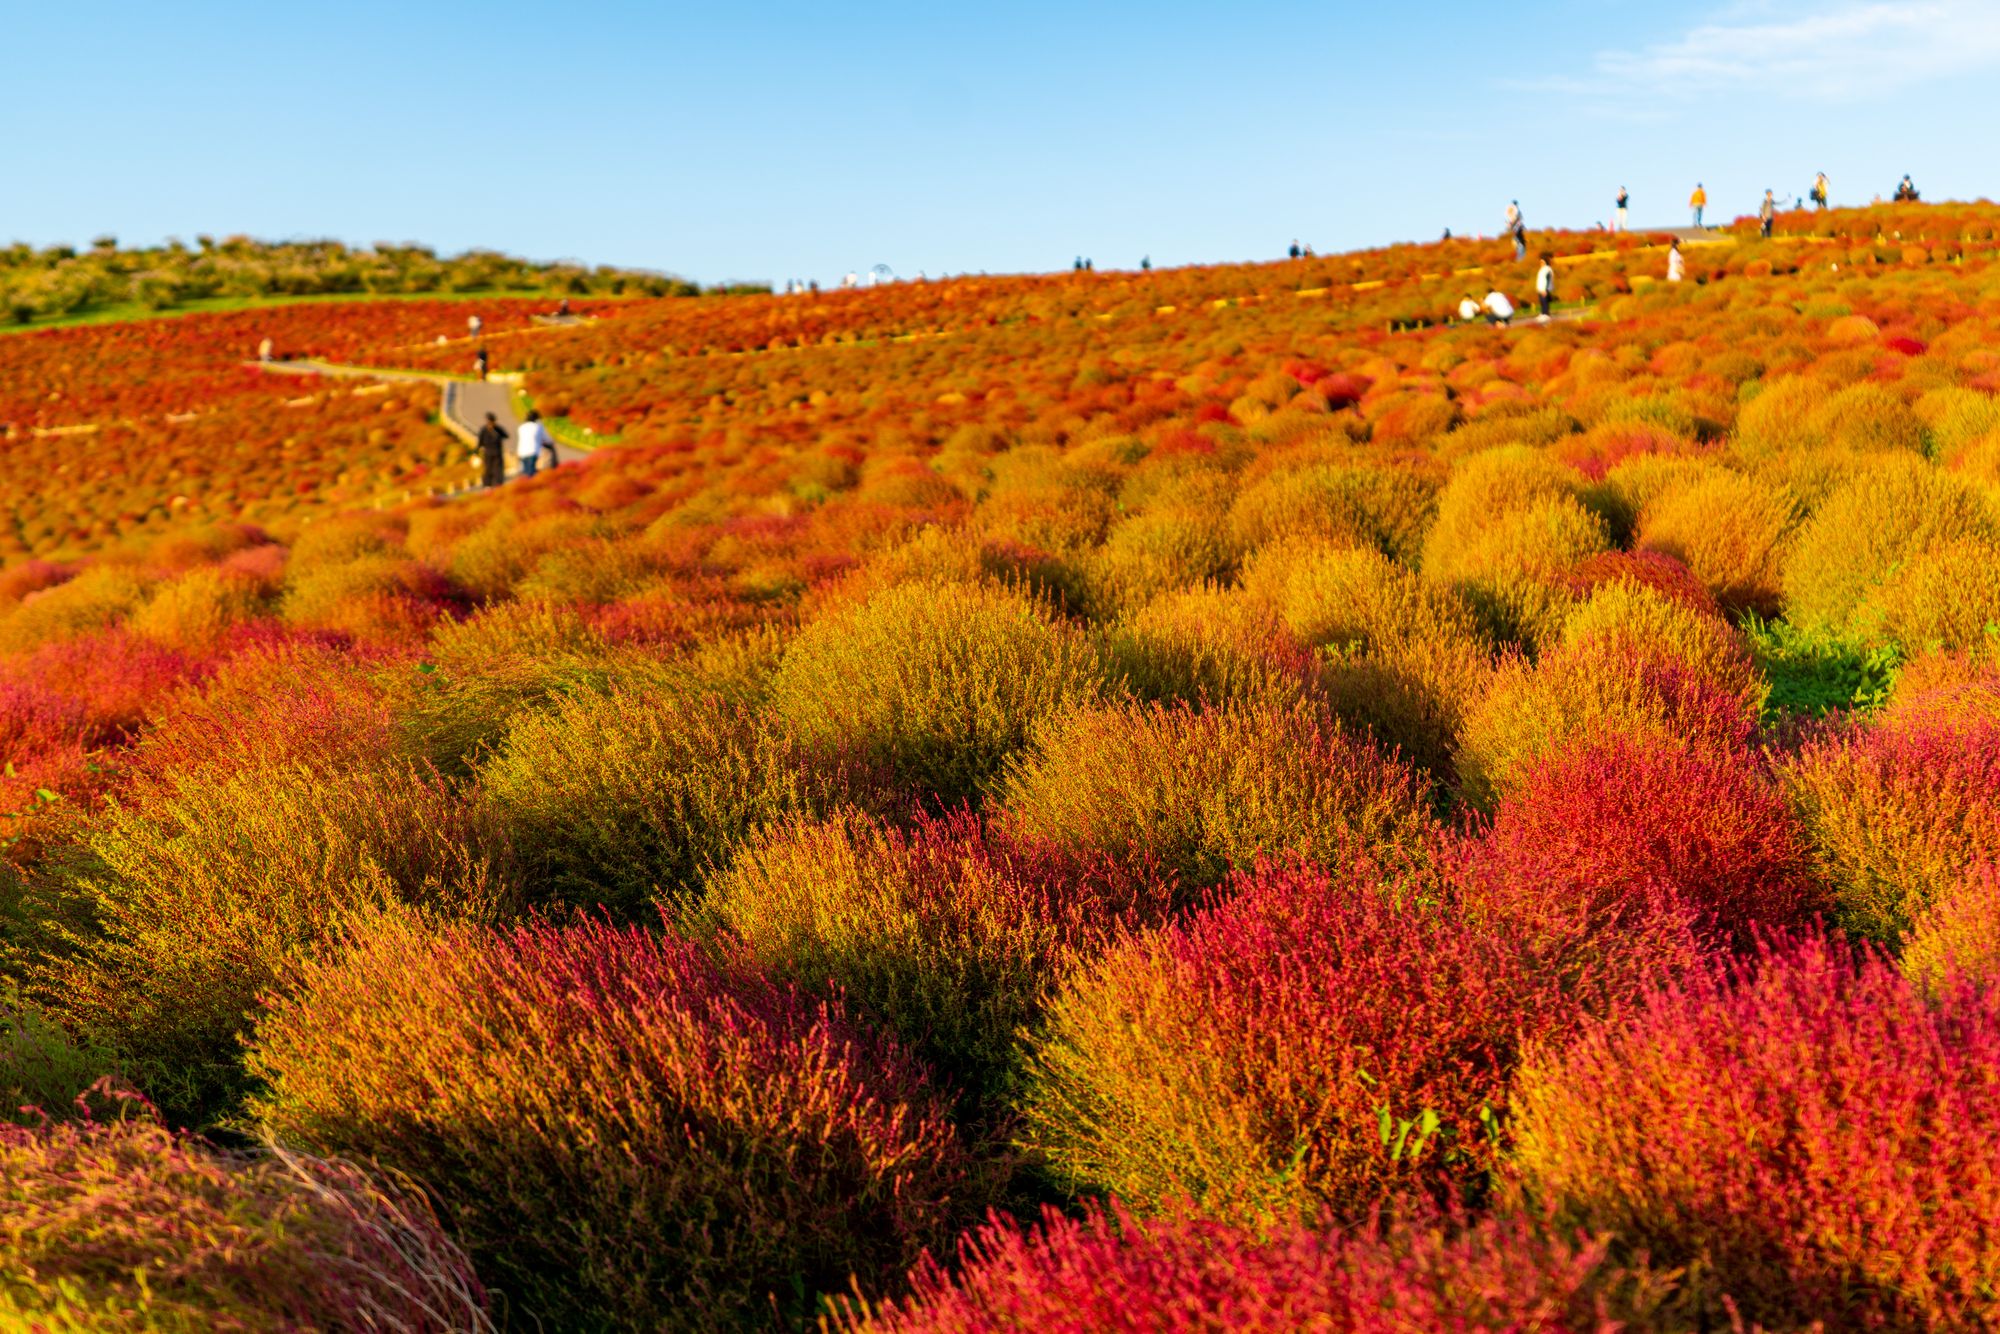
{"type": "Point", "coordinates": [1545, 284]}
{"type": "Point", "coordinates": [1468, 308]}
{"type": "Point", "coordinates": [1676, 266]}
{"type": "Point", "coordinates": [1499, 310]}
{"type": "Point", "coordinates": [473, 326]}
{"type": "Point", "coordinates": [529, 441]}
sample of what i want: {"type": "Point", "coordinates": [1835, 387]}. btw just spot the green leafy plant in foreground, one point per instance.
{"type": "Point", "coordinates": [1813, 672]}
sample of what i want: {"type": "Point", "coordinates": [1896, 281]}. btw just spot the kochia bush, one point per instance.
{"type": "Point", "coordinates": [1813, 1138]}
{"type": "Point", "coordinates": [1625, 863]}
{"type": "Point", "coordinates": [122, 1225]}
{"type": "Point", "coordinates": [616, 797]}
{"type": "Point", "coordinates": [207, 889]}
{"type": "Point", "coordinates": [1869, 529]}
{"type": "Point", "coordinates": [1202, 791]}
{"type": "Point", "coordinates": [1311, 1041]}
{"type": "Point", "coordinates": [1896, 815]}
{"type": "Point", "coordinates": [941, 682]}
{"type": "Point", "coordinates": [1403, 656]}
{"type": "Point", "coordinates": [623, 1130]}
{"type": "Point", "coordinates": [1958, 936]}
{"type": "Point", "coordinates": [950, 934]}
{"type": "Point", "coordinates": [1600, 687]}
{"type": "Point", "coordinates": [1108, 1270]}
{"type": "Point", "coordinates": [1731, 531]}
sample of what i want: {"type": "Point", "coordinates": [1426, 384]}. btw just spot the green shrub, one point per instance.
{"type": "Point", "coordinates": [1204, 791]}
{"type": "Point", "coordinates": [950, 935]}
{"type": "Point", "coordinates": [938, 682]}
{"type": "Point", "coordinates": [208, 887]}
{"type": "Point", "coordinates": [616, 798]}
{"type": "Point", "coordinates": [1866, 531]}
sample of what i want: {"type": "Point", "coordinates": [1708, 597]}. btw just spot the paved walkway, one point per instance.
{"type": "Point", "coordinates": [462, 408]}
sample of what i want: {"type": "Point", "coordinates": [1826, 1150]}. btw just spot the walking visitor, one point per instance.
{"type": "Point", "coordinates": [479, 363]}
{"type": "Point", "coordinates": [1698, 201]}
{"type": "Point", "coordinates": [1676, 266]}
{"type": "Point", "coordinates": [473, 326]}
{"type": "Point", "coordinates": [529, 444]}
{"type": "Point", "coordinates": [492, 462]}
{"type": "Point", "coordinates": [1545, 284]}
{"type": "Point", "coordinates": [1767, 214]}
{"type": "Point", "coordinates": [1624, 200]}
{"type": "Point", "coordinates": [1819, 189]}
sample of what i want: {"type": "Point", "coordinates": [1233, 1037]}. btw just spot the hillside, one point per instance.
{"type": "Point", "coordinates": [1204, 798]}
{"type": "Point", "coordinates": [61, 284]}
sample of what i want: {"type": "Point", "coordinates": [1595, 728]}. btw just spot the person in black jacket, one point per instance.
{"type": "Point", "coordinates": [492, 456]}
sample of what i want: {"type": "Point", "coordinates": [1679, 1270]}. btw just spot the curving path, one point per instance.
{"type": "Point", "coordinates": [462, 408]}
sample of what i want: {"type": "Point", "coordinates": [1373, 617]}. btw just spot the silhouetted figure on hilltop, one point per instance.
{"type": "Point", "coordinates": [1624, 203]}
{"type": "Point", "coordinates": [492, 461]}
{"type": "Point", "coordinates": [1293, 253]}
{"type": "Point", "coordinates": [1819, 191]}
{"type": "Point", "coordinates": [1906, 191]}
{"type": "Point", "coordinates": [1767, 214]}
{"type": "Point", "coordinates": [1698, 201]}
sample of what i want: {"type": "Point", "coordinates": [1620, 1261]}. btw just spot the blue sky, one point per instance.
{"type": "Point", "coordinates": [776, 140]}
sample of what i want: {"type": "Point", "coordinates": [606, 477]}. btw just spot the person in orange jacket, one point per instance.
{"type": "Point", "coordinates": [1698, 201]}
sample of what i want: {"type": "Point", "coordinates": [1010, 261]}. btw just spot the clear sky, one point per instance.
{"type": "Point", "coordinates": [771, 139]}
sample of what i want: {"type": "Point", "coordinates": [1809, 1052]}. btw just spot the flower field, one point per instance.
{"type": "Point", "coordinates": [1213, 798]}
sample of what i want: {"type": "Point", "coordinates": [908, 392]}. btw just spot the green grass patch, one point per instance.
{"type": "Point", "coordinates": [1815, 673]}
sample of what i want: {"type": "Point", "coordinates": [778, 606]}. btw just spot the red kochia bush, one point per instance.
{"type": "Point", "coordinates": [1642, 853]}
{"type": "Point", "coordinates": [1649, 569]}
{"type": "Point", "coordinates": [1310, 1041]}
{"type": "Point", "coordinates": [1815, 1136]}
{"type": "Point", "coordinates": [1107, 1271]}
{"type": "Point", "coordinates": [624, 1131]}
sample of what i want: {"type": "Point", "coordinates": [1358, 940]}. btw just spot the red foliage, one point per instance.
{"type": "Point", "coordinates": [1629, 862]}
{"type": "Point", "coordinates": [1107, 1271]}
{"type": "Point", "coordinates": [1816, 1133]}
{"type": "Point", "coordinates": [1649, 569]}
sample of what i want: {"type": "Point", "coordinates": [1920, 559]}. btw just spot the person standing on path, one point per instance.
{"type": "Point", "coordinates": [1676, 266]}
{"type": "Point", "coordinates": [529, 441]}
{"type": "Point", "coordinates": [1767, 214]}
{"type": "Point", "coordinates": [1545, 284]}
{"type": "Point", "coordinates": [1698, 201]}
{"type": "Point", "coordinates": [1624, 200]}
{"type": "Point", "coordinates": [479, 363]}
{"type": "Point", "coordinates": [492, 462]}
{"type": "Point", "coordinates": [473, 326]}
{"type": "Point", "coordinates": [1819, 191]}
{"type": "Point", "coordinates": [264, 350]}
